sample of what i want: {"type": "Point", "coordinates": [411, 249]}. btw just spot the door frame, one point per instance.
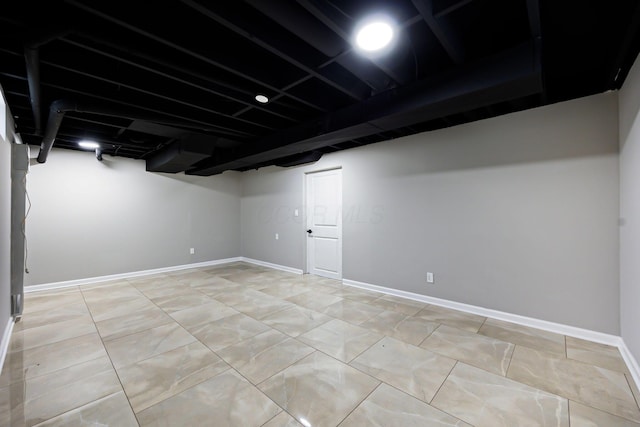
{"type": "Point", "coordinates": [305, 212]}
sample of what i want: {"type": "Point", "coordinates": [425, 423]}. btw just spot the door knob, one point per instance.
{"type": "Point", "coordinates": [309, 231]}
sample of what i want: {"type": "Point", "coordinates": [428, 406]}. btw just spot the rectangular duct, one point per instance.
{"type": "Point", "coordinates": [182, 154]}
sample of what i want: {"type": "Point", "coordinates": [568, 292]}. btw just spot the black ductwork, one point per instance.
{"type": "Point", "coordinates": [60, 107]}
{"type": "Point", "coordinates": [182, 154]}
{"type": "Point", "coordinates": [56, 114]}
{"type": "Point", "coordinates": [299, 159]}
{"type": "Point", "coordinates": [32, 61]}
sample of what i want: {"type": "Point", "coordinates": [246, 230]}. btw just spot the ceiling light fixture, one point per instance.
{"type": "Point", "coordinates": [89, 145]}
{"type": "Point", "coordinates": [374, 34]}
{"type": "Point", "coordinates": [262, 99]}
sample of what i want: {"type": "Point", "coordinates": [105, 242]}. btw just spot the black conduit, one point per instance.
{"type": "Point", "coordinates": [56, 114]}
{"type": "Point", "coordinates": [32, 61]}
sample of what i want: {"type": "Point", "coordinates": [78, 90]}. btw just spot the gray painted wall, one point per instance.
{"type": "Point", "coordinates": [517, 213]}
{"type": "Point", "coordinates": [91, 218]}
{"type": "Point", "coordinates": [5, 224]}
{"type": "Point", "coordinates": [630, 210]}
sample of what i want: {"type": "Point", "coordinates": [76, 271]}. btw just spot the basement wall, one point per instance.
{"type": "Point", "coordinates": [91, 218]}
{"type": "Point", "coordinates": [629, 101]}
{"type": "Point", "coordinates": [518, 213]}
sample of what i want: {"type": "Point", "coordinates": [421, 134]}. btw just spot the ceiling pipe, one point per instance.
{"type": "Point", "coordinates": [56, 114]}
{"type": "Point", "coordinates": [32, 61]}
{"type": "Point", "coordinates": [59, 108]}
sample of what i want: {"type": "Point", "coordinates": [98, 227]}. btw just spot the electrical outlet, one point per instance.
{"type": "Point", "coordinates": [277, 236]}
{"type": "Point", "coordinates": [295, 212]}
{"type": "Point", "coordinates": [429, 277]}
{"type": "Point", "coordinates": [192, 251]}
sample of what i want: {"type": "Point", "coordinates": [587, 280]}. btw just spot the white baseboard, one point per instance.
{"type": "Point", "coordinates": [631, 362]}
{"type": "Point", "coordinates": [4, 344]}
{"type": "Point", "coordinates": [572, 331]}
{"type": "Point", "coordinates": [120, 276]}
{"type": "Point", "coordinates": [94, 280]}
{"type": "Point", "coordinates": [274, 266]}
{"type": "Point", "coordinates": [559, 328]}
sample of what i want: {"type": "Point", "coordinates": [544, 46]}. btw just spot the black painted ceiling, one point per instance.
{"type": "Point", "coordinates": [174, 82]}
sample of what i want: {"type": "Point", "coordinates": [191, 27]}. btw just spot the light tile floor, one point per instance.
{"type": "Point", "coordinates": [242, 345]}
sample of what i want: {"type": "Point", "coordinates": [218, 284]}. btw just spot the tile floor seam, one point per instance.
{"type": "Point", "coordinates": [436, 393]}
{"type": "Point", "coordinates": [78, 407]}
{"type": "Point", "coordinates": [482, 324]}
{"type": "Point", "coordinates": [283, 410]}
{"type": "Point", "coordinates": [444, 381]}
{"type": "Point", "coordinates": [266, 315]}
{"type": "Point", "coordinates": [94, 321]}
{"type": "Point", "coordinates": [152, 355]}
{"type": "Point", "coordinates": [270, 347]}
{"type": "Point", "coordinates": [361, 402]}
{"type": "Point", "coordinates": [314, 350]}
{"type": "Point", "coordinates": [427, 337]}
{"type": "Point", "coordinates": [272, 418]}
{"type": "Point", "coordinates": [385, 382]}
{"type": "Point", "coordinates": [112, 364]}
{"type": "Point", "coordinates": [631, 383]}
{"type": "Point", "coordinates": [367, 349]}
{"type": "Point", "coordinates": [256, 386]}
{"type": "Point", "coordinates": [597, 409]}
{"type": "Point", "coordinates": [129, 334]}
{"type": "Point", "coordinates": [467, 363]}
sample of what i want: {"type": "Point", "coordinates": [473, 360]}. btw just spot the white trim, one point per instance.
{"type": "Point", "coordinates": [270, 265]}
{"type": "Point", "coordinates": [93, 280]}
{"type": "Point", "coordinates": [4, 344]}
{"type": "Point", "coordinates": [631, 362]}
{"type": "Point", "coordinates": [559, 328]}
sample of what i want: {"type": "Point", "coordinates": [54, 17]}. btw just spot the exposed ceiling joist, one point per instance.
{"type": "Point", "coordinates": [175, 72]}
{"type": "Point", "coordinates": [280, 47]}
{"type": "Point", "coordinates": [193, 67]}
{"type": "Point", "coordinates": [198, 55]}
{"type": "Point", "coordinates": [343, 26]}
{"type": "Point", "coordinates": [508, 76]}
{"type": "Point", "coordinates": [447, 38]}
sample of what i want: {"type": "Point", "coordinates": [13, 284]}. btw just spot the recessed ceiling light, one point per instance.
{"type": "Point", "coordinates": [374, 34]}
{"type": "Point", "coordinates": [89, 145]}
{"type": "Point", "coordinates": [262, 99]}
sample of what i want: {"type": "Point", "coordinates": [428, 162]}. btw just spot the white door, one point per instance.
{"type": "Point", "coordinates": [324, 223]}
